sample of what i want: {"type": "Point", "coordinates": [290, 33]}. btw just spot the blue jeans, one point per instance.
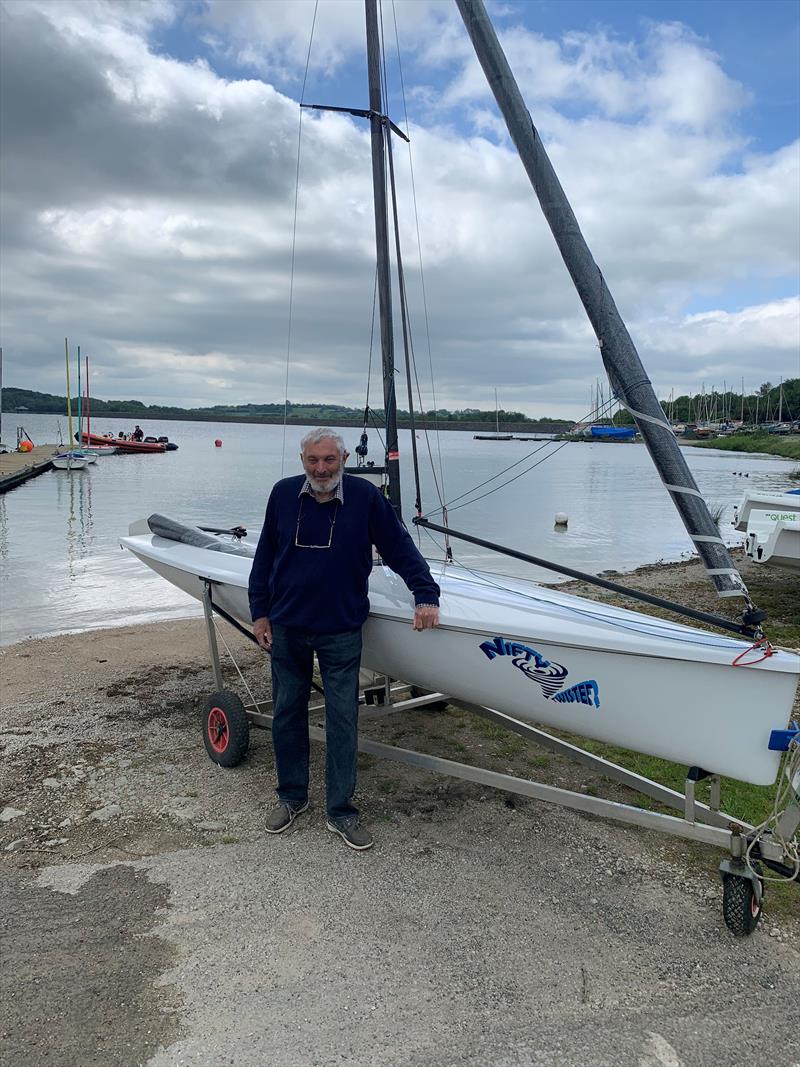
{"type": "Point", "coordinates": [339, 657]}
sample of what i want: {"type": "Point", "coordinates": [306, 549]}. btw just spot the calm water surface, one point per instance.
{"type": "Point", "coordinates": [63, 570]}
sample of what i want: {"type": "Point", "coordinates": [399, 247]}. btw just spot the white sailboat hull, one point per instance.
{"type": "Point", "coordinates": [775, 543]}
{"type": "Point", "coordinates": [69, 463]}
{"type": "Point", "coordinates": [547, 657]}
{"type": "Point", "coordinates": [778, 506]}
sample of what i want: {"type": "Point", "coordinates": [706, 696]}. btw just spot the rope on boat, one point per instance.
{"type": "Point", "coordinates": [762, 645]}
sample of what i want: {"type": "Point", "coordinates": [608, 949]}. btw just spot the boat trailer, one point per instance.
{"type": "Point", "coordinates": [226, 722]}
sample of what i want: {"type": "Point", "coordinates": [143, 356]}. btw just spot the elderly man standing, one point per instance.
{"type": "Point", "coordinates": [308, 593]}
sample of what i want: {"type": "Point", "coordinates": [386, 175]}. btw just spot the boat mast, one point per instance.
{"type": "Point", "coordinates": [88, 414]}
{"type": "Point", "coordinates": [69, 401]}
{"type": "Point", "coordinates": [378, 132]}
{"type": "Point", "coordinates": [621, 360]}
{"type": "Point", "coordinates": [80, 402]}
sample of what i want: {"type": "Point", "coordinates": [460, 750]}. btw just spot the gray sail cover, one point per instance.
{"type": "Point", "coordinates": [163, 526]}
{"type": "Point", "coordinates": [620, 358]}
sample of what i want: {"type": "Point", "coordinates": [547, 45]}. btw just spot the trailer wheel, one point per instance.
{"type": "Point", "coordinates": [740, 907]}
{"type": "Point", "coordinates": [226, 728]}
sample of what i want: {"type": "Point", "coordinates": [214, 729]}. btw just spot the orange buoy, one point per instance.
{"type": "Point", "coordinates": [218, 443]}
{"type": "Point", "coordinates": [25, 446]}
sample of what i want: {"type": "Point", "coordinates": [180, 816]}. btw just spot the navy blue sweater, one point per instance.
{"type": "Point", "coordinates": [324, 589]}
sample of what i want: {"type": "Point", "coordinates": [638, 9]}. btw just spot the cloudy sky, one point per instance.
{"type": "Point", "coordinates": [150, 154]}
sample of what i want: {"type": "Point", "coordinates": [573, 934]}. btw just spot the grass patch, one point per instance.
{"type": "Point", "coordinates": [750, 803]}
{"type": "Point", "coordinates": [509, 747]}
{"type": "Point", "coordinates": [491, 730]}
{"type": "Point", "coordinates": [775, 445]}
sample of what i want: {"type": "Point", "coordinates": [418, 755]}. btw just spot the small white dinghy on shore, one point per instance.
{"type": "Point", "coordinates": [541, 655]}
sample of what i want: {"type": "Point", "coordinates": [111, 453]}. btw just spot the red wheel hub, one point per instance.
{"type": "Point", "coordinates": [217, 728]}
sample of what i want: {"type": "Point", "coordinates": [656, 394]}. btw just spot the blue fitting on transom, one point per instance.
{"type": "Point", "coordinates": [779, 740]}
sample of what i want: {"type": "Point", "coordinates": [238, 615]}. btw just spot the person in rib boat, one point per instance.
{"type": "Point", "coordinates": [308, 593]}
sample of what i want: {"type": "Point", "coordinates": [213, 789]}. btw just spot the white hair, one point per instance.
{"type": "Point", "coordinates": [322, 433]}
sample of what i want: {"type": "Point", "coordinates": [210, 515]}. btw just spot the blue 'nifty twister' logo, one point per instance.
{"type": "Point", "coordinates": [550, 676]}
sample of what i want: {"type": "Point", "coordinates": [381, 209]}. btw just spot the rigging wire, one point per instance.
{"type": "Point", "coordinates": [371, 344]}
{"type": "Point", "coordinates": [709, 640]}
{"type": "Point", "coordinates": [597, 413]}
{"type": "Point", "coordinates": [403, 301]}
{"type": "Point", "coordinates": [440, 492]}
{"type": "Point", "coordinates": [294, 242]}
{"type": "Point", "coordinates": [499, 474]}
{"type": "Point", "coordinates": [410, 355]}
{"type": "Point", "coordinates": [784, 795]}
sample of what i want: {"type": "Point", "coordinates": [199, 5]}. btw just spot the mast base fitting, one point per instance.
{"type": "Point", "coordinates": [753, 617]}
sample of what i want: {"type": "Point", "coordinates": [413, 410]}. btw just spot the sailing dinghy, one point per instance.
{"type": "Point", "coordinates": [520, 653]}
{"type": "Point", "coordinates": [541, 655]}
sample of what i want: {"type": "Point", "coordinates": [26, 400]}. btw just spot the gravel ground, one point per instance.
{"type": "Point", "coordinates": [150, 920]}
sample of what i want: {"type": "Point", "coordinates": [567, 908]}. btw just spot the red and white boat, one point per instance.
{"type": "Point", "coordinates": [122, 444]}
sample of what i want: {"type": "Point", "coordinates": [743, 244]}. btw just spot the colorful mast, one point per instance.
{"type": "Point", "coordinates": [88, 413]}
{"type": "Point", "coordinates": [80, 405]}
{"type": "Point", "coordinates": [69, 401]}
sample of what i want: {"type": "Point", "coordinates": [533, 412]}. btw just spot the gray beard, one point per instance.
{"type": "Point", "coordinates": [330, 486]}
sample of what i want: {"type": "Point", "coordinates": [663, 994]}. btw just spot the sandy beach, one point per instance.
{"type": "Point", "coordinates": [149, 918]}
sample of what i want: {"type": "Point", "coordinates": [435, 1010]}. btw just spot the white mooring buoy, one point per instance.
{"type": "Point", "coordinates": [561, 518]}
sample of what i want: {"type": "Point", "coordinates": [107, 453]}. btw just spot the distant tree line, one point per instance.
{"type": "Point", "coordinates": [20, 400]}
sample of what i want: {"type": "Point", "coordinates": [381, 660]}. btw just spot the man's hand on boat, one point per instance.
{"type": "Point", "coordinates": [263, 633]}
{"type": "Point", "coordinates": [426, 616]}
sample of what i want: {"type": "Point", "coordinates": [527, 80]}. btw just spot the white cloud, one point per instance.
{"type": "Point", "coordinates": [688, 87]}
{"type": "Point", "coordinates": [148, 211]}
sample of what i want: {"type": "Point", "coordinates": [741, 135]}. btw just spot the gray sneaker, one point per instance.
{"type": "Point", "coordinates": [353, 834]}
{"type": "Point", "coordinates": [282, 816]}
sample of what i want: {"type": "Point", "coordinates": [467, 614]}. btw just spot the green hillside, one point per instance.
{"type": "Point", "coordinates": [22, 400]}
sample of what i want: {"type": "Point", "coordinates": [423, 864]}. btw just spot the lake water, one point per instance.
{"type": "Point", "coordinates": [63, 569]}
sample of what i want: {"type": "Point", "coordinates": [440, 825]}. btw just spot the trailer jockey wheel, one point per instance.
{"type": "Point", "coordinates": [741, 908]}
{"type": "Point", "coordinates": [226, 728]}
